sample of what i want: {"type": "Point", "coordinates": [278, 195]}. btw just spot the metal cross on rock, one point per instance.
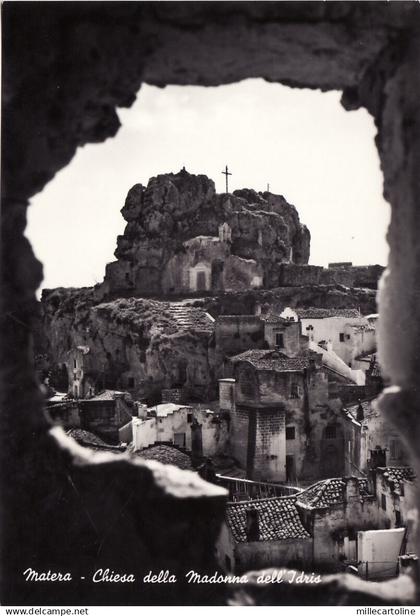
{"type": "Point", "coordinates": [226, 173]}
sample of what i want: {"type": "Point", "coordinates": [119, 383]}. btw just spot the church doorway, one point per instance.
{"type": "Point", "coordinates": [201, 281]}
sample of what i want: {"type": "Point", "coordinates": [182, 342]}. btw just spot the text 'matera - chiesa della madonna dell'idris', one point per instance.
{"type": "Point", "coordinates": [211, 344]}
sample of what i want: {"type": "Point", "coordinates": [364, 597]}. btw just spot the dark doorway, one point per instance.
{"type": "Point", "coordinates": [59, 378]}
{"type": "Point", "coordinates": [201, 281]}
{"type": "Point", "coordinates": [290, 468]}
{"type": "Point", "coordinates": [279, 340]}
{"type": "Point", "coordinates": [179, 439]}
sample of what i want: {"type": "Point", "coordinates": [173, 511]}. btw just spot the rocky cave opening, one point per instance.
{"type": "Point", "coordinates": [327, 46]}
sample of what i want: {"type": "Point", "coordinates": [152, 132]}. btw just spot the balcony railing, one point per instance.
{"type": "Point", "coordinates": [245, 489]}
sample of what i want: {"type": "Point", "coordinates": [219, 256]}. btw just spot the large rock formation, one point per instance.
{"type": "Point", "coordinates": [144, 345]}
{"type": "Point", "coordinates": [178, 228]}
{"type": "Point", "coordinates": [136, 344]}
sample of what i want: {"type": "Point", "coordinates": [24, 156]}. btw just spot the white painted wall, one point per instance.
{"type": "Point", "coordinates": [160, 429]}
{"type": "Point", "coordinates": [329, 330]}
{"type": "Point", "coordinates": [380, 548]}
{"type": "Point", "coordinates": [144, 432]}
{"type": "Point", "coordinates": [333, 361]}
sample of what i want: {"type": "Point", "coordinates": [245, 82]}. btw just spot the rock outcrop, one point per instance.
{"type": "Point", "coordinates": [178, 228]}
{"type": "Point", "coordinates": [136, 344]}
{"type": "Point", "coordinates": [144, 345]}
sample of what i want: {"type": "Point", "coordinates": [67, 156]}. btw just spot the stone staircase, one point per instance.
{"type": "Point", "coordinates": [189, 318]}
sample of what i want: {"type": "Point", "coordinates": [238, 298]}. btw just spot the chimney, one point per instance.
{"type": "Point", "coordinates": [227, 394]}
{"type": "Point", "coordinates": [352, 490]}
{"type": "Point", "coordinates": [252, 525]}
{"type": "Point", "coordinates": [141, 410]}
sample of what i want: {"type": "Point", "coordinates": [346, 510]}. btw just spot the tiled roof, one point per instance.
{"type": "Point", "coordinates": [167, 455]}
{"type": "Point", "coordinates": [324, 313]}
{"type": "Point", "coordinates": [108, 394]}
{"type": "Point", "coordinates": [368, 411]}
{"type": "Point", "coordinates": [190, 318]}
{"type": "Point", "coordinates": [323, 494]}
{"type": "Point", "coordinates": [397, 473]}
{"type": "Point", "coordinates": [363, 328]}
{"type": "Point", "coordinates": [364, 487]}
{"type": "Point", "coordinates": [273, 318]}
{"type": "Point", "coordinates": [88, 439]}
{"type": "Point", "coordinates": [273, 360]}
{"type": "Point", "coordinates": [278, 519]}
{"type": "Point", "coordinates": [328, 492]}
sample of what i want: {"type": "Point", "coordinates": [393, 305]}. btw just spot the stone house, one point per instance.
{"type": "Point", "coordinates": [237, 333]}
{"type": "Point", "coordinates": [316, 529]}
{"type": "Point", "coordinates": [81, 383]}
{"type": "Point", "coordinates": [284, 427]}
{"type": "Point", "coordinates": [103, 414]}
{"type": "Point", "coordinates": [395, 492]}
{"type": "Point", "coordinates": [284, 335]}
{"type": "Point", "coordinates": [201, 431]}
{"type": "Point", "coordinates": [368, 432]}
{"type": "Point", "coordinates": [348, 332]}
{"type": "Point", "coordinates": [333, 511]}
{"type": "Point", "coordinates": [263, 533]}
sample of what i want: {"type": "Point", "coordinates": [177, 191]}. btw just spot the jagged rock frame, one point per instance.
{"type": "Point", "coordinates": [66, 70]}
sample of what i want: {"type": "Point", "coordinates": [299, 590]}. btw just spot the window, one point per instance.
{"type": "Point", "coordinates": [290, 433]}
{"type": "Point", "coordinates": [402, 488]}
{"type": "Point", "coordinates": [341, 337]}
{"type": "Point", "coordinates": [383, 502]}
{"type": "Point", "coordinates": [331, 432]}
{"type": "Point", "coordinates": [74, 363]}
{"type": "Point", "coordinates": [279, 340]}
{"type": "Point", "coordinates": [294, 393]}
{"type": "Point", "coordinates": [397, 518]}
{"type": "Point", "coordinates": [189, 418]}
{"type": "Point", "coordinates": [347, 336]}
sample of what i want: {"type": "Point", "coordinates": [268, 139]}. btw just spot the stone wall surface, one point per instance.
{"type": "Point", "coordinates": [66, 69]}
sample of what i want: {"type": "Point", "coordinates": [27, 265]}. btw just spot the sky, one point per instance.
{"type": "Point", "coordinates": [301, 142]}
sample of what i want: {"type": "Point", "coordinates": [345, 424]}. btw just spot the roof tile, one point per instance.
{"type": "Point", "coordinates": [274, 360]}
{"type": "Point", "coordinates": [325, 313]}
{"type": "Point", "coordinates": [278, 518]}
